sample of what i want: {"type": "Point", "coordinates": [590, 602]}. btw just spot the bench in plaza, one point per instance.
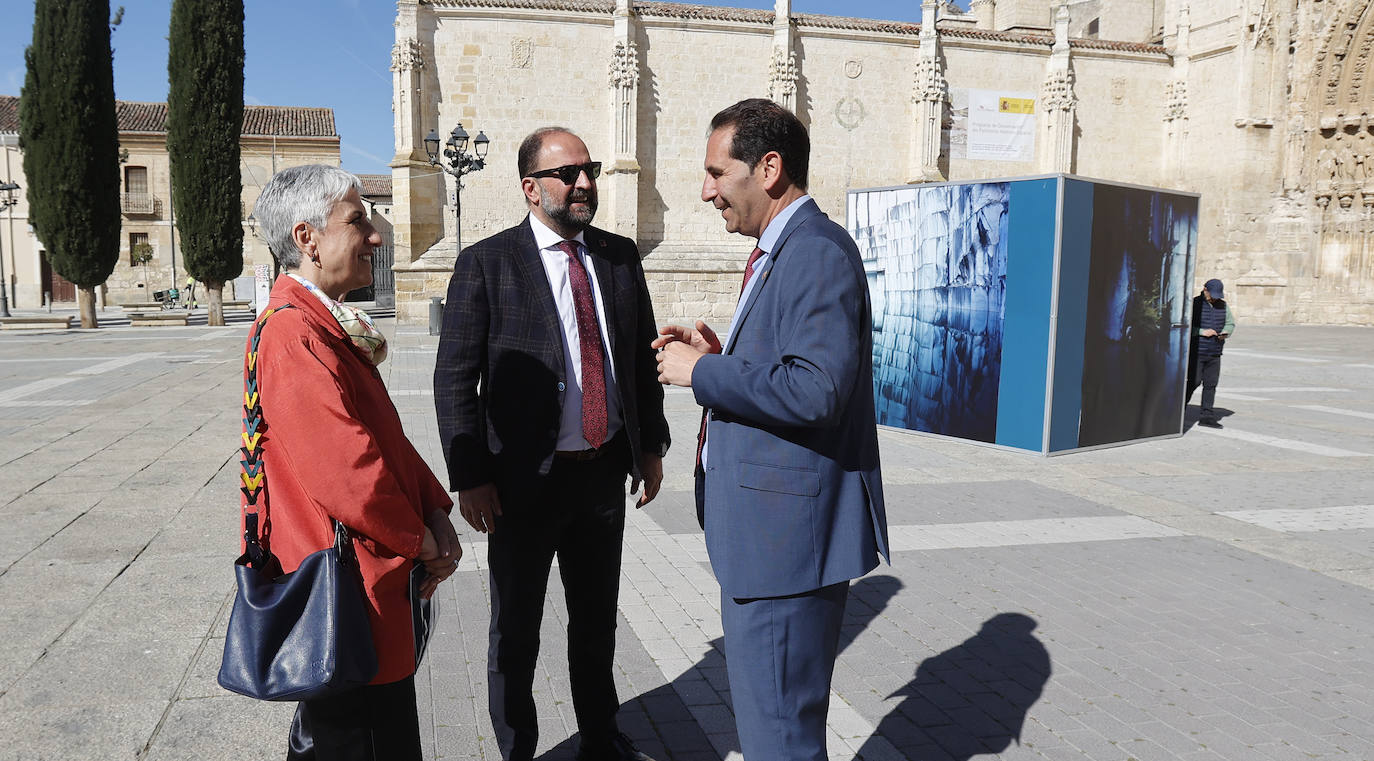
{"type": "Point", "coordinates": [238, 304]}
{"type": "Point", "coordinates": [134, 306]}
{"type": "Point", "coordinates": [35, 322]}
{"type": "Point", "coordinates": [157, 319]}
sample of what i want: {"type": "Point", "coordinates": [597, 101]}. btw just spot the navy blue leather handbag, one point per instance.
{"type": "Point", "coordinates": [300, 635]}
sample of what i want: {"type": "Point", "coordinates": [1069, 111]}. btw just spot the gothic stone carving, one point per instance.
{"type": "Point", "coordinates": [1118, 90]}
{"type": "Point", "coordinates": [1175, 101]}
{"type": "Point", "coordinates": [624, 71]}
{"type": "Point", "coordinates": [782, 76]}
{"type": "Point", "coordinates": [849, 112]}
{"type": "Point", "coordinates": [1345, 168]}
{"type": "Point", "coordinates": [1057, 93]}
{"type": "Point", "coordinates": [407, 55]}
{"type": "Point", "coordinates": [521, 52]}
{"type": "Point", "coordinates": [930, 82]}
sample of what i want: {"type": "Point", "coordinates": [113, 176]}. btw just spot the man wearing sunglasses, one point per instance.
{"type": "Point", "coordinates": [547, 398]}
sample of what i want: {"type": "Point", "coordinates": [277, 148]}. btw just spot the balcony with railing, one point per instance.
{"type": "Point", "coordinates": [140, 204]}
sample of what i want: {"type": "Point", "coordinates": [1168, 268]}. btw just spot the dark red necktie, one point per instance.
{"type": "Point", "coordinates": [748, 273]}
{"type": "Point", "coordinates": [749, 268]}
{"type": "Point", "coordinates": [589, 338]}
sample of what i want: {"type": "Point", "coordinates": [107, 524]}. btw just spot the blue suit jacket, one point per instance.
{"type": "Point", "coordinates": [792, 497]}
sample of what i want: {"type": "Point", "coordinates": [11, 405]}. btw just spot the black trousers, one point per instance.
{"type": "Point", "coordinates": [578, 515]}
{"type": "Point", "coordinates": [1206, 373]}
{"type": "Point", "coordinates": [373, 723]}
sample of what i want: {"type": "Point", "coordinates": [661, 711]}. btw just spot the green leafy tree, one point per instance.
{"type": "Point", "coordinates": [70, 140]}
{"type": "Point", "coordinates": [141, 253]}
{"type": "Point", "coordinates": [204, 122]}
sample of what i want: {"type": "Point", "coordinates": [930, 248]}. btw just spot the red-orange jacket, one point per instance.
{"type": "Point", "coordinates": [333, 446]}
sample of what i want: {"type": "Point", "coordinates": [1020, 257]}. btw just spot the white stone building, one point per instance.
{"type": "Point", "coordinates": [1262, 106]}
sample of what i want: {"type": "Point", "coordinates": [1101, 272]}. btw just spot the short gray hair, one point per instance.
{"type": "Point", "coordinates": [299, 194]}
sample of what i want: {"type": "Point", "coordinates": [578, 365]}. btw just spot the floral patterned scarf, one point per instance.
{"type": "Point", "coordinates": [355, 322]}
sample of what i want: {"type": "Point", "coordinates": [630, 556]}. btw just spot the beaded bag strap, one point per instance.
{"type": "Point", "coordinates": [254, 477]}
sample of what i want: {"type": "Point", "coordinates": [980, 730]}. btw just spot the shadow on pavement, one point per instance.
{"type": "Point", "coordinates": [1192, 412]}
{"type": "Point", "coordinates": [659, 720]}
{"type": "Point", "coordinates": [971, 699]}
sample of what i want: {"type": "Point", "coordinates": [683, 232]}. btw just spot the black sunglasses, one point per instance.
{"type": "Point", "coordinates": [568, 174]}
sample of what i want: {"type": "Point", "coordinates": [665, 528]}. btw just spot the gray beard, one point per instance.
{"type": "Point", "coordinates": [563, 213]}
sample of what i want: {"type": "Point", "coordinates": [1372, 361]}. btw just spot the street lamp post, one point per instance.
{"type": "Point", "coordinates": [6, 201]}
{"type": "Point", "coordinates": [460, 162]}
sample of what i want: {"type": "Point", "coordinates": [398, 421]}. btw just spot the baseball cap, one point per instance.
{"type": "Point", "coordinates": [1213, 287]}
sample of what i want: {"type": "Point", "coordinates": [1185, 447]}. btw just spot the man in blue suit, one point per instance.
{"type": "Point", "coordinates": [788, 484]}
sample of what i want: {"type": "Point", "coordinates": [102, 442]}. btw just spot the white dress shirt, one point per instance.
{"type": "Point", "coordinates": [556, 268]}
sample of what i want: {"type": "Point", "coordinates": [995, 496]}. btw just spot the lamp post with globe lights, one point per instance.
{"type": "Point", "coordinates": [459, 162]}
{"type": "Point", "coordinates": [7, 200]}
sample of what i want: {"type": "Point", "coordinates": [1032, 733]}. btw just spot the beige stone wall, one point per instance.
{"type": "Point", "coordinates": [136, 283]}
{"type": "Point", "coordinates": [260, 158]}
{"type": "Point", "coordinates": [1136, 20]}
{"type": "Point", "coordinates": [1218, 109]}
{"type": "Point", "coordinates": [1120, 108]}
{"type": "Point", "coordinates": [17, 244]}
{"type": "Point", "coordinates": [509, 79]}
{"type": "Point", "coordinates": [688, 74]}
{"type": "Point", "coordinates": [1023, 14]}
{"type": "Point", "coordinates": [854, 120]}
{"type": "Point", "coordinates": [984, 66]}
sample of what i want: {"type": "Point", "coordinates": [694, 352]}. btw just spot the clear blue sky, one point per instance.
{"type": "Point", "coordinates": [333, 53]}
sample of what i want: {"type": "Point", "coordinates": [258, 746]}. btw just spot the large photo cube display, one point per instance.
{"type": "Point", "coordinates": [1046, 313]}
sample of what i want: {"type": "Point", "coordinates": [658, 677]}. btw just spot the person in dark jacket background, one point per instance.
{"type": "Point", "coordinates": [1212, 325]}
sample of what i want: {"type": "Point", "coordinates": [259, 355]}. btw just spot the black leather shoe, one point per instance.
{"type": "Point", "coordinates": [619, 749]}
{"type": "Point", "coordinates": [1208, 423]}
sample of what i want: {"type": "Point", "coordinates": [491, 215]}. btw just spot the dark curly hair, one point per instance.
{"type": "Point", "coordinates": [762, 125]}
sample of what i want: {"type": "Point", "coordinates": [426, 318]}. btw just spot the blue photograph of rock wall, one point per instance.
{"type": "Point", "coordinates": [936, 259]}
{"type": "Point", "coordinates": [1135, 340]}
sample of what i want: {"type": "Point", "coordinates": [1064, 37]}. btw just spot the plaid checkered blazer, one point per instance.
{"type": "Point", "coordinates": [499, 373]}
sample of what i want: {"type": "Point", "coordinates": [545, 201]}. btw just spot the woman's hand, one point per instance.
{"type": "Point", "coordinates": [439, 551]}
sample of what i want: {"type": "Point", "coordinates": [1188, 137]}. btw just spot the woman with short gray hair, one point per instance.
{"type": "Point", "coordinates": [334, 450]}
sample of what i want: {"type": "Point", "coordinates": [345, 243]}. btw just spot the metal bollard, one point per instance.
{"type": "Point", "coordinates": [436, 314]}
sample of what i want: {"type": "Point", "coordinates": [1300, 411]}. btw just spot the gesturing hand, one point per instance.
{"type": "Point", "coordinates": [701, 338]}
{"type": "Point", "coordinates": [679, 349]}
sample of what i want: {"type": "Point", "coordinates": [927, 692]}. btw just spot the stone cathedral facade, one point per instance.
{"type": "Point", "coordinates": [1263, 106]}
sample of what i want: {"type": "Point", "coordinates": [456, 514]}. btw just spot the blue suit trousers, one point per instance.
{"type": "Point", "coordinates": [780, 655]}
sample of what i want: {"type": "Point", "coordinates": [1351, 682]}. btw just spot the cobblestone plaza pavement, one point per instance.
{"type": "Point", "coordinates": [1201, 598]}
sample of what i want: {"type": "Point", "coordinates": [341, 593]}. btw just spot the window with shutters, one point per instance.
{"type": "Point", "coordinates": [137, 198]}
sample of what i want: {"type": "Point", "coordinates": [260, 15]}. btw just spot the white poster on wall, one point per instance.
{"type": "Point", "coordinates": [954, 139]}
{"type": "Point", "coordinates": [262, 286]}
{"type": "Point", "coordinates": [1001, 125]}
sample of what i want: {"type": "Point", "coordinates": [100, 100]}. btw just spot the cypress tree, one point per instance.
{"type": "Point", "coordinates": [70, 140]}
{"type": "Point", "coordinates": [204, 122]}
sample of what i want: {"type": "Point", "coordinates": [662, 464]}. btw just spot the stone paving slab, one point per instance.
{"type": "Point", "coordinates": [1201, 597]}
